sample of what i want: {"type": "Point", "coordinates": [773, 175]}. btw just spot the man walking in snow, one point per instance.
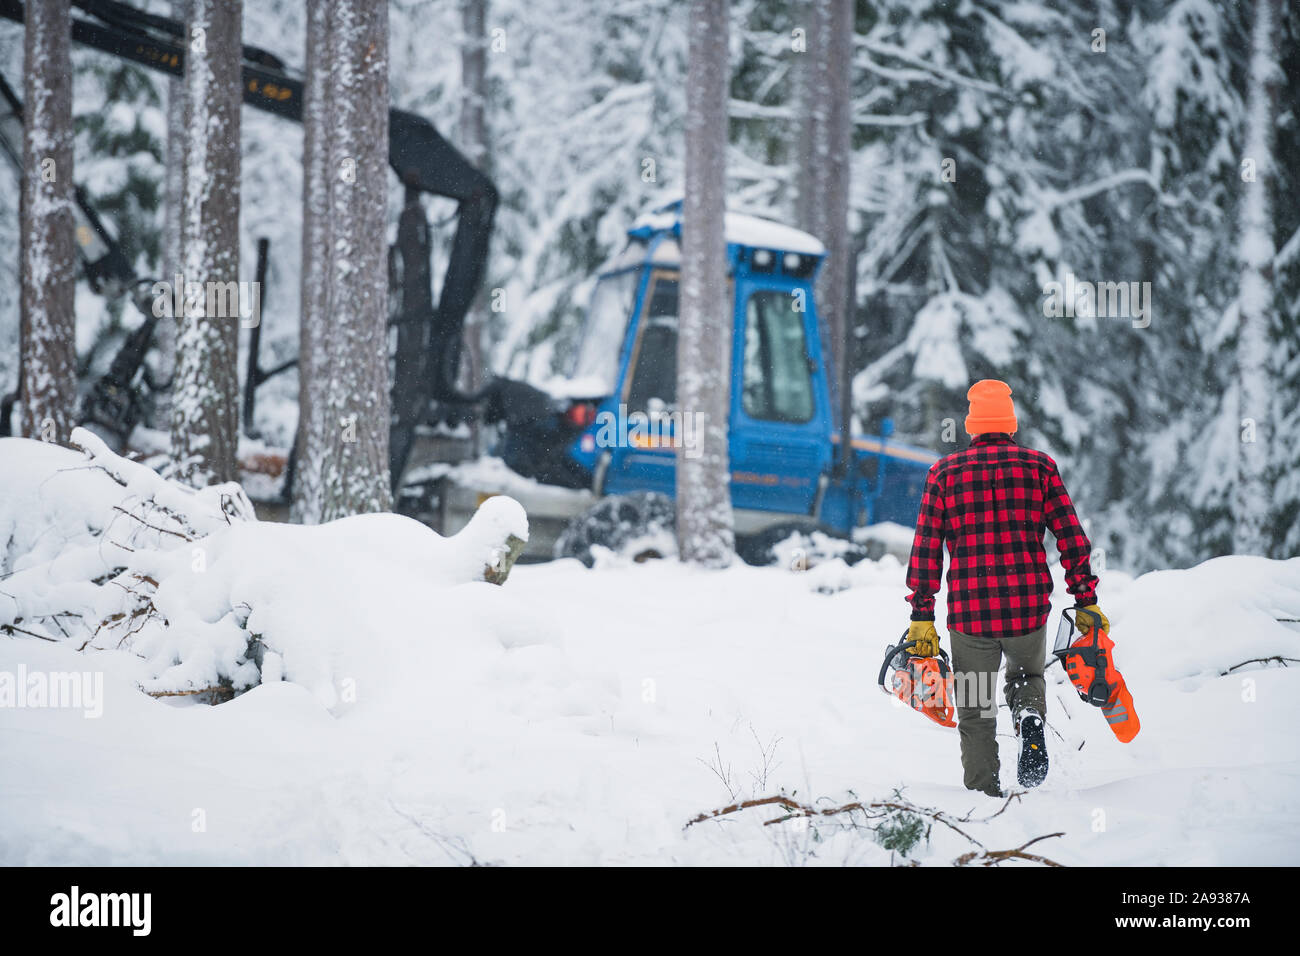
{"type": "Point", "coordinates": [989, 505]}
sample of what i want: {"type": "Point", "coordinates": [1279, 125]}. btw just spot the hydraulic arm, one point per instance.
{"type": "Point", "coordinates": [423, 160]}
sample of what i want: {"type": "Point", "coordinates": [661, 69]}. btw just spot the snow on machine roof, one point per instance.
{"type": "Point", "coordinates": [739, 228]}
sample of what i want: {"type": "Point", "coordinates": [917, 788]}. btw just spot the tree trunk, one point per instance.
{"type": "Point", "coordinates": [812, 146]}
{"type": "Point", "coordinates": [173, 204]}
{"type": "Point", "coordinates": [704, 519]}
{"type": "Point", "coordinates": [205, 396]}
{"type": "Point", "coordinates": [834, 307]}
{"type": "Point", "coordinates": [354, 466]}
{"type": "Point", "coordinates": [474, 144]}
{"type": "Point", "coordinates": [313, 336]}
{"type": "Point", "coordinates": [813, 155]}
{"type": "Point", "coordinates": [49, 259]}
{"type": "Point", "coordinates": [1255, 375]}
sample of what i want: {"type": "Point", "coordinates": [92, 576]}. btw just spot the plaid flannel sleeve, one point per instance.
{"type": "Point", "coordinates": [1071, 541]}
{"type": "Point", "coordinates": [925, 565]}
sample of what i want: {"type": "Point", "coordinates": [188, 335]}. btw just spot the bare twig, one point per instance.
{"type": "Point", "coordinates": [876, 809]}
{"type": "Point", "coordinates": [10, 629]}
{"type": "Point", "coordinates": [216, 690]}
{"type": "Point", "coordinates": [451, 846]}
{"type": "Point", "coordinates": [1284, 661]}
{"type": "Point", "coordinates": [152, 527]}
{"type": "Point", "coordinates": [994, 857]}
{"type": "Point", "coordinates": [110, 620]}
{"type": "Point", "coordinates": [781, 801]}
{"type": "Point", "coordinates": [720, 770]}
{"type": "Point", "coordinates": [768, 754]}
{"type": "Point", "coordinates": [1011, 797]}
{"type": "Point", "coordinates": [797, 809]}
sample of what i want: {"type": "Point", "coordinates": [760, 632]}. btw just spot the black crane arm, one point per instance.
{"type": "Point", "coordinates": [421, 157]}
{"type": "Point", "coordinates": [102, 260]}
{"type": "Point", "coordinates": [109, 274]}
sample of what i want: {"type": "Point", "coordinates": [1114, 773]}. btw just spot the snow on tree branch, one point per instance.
{"type": "Point", "coordinates": [104, 553]}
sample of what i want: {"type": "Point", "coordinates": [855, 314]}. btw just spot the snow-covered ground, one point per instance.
{"type": "Point", "coordinates": [581, 716]}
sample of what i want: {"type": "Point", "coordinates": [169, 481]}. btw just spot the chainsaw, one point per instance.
{"type": "Point", "coordinates": [1089, 662]}
{"type": "Point", "coordinates": [923, 683]}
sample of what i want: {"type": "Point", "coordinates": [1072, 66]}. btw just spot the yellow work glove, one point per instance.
{"type": "Point", "coordinates": [926, 637]}
{"type": "Point", "coordinates": [1084, 622]}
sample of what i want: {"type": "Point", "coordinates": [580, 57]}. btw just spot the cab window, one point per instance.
{"type": "Point", "coordinates": [654, 376]}
{"type": "Point", "coordinates": [777, 384]}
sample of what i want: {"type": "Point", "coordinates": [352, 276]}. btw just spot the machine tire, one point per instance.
{"type": "Point", "coordinates": [629, 525]}
{"type": "Point", "coordinates": [759, 548]}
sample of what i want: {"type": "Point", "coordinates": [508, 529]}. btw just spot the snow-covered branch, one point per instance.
{"type": "Point", "coordinates": [1054, 200]}
{"type": "Point", "coordinates": [104, 553]}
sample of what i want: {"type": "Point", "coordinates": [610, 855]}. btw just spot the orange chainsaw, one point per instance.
{"type": "Point", "coordinates": [1089, 662]}
{"type": "Point", "coordinates": [923, 683]}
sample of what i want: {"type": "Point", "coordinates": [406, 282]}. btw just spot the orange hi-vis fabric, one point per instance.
{"type": "Point", "coordinates": [1090, 665]}
{"type": "Point", "coordinates": [991, 408]}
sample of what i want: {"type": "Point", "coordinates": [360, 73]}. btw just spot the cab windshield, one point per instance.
{"type": "Point", "coordinates": [594, 369]}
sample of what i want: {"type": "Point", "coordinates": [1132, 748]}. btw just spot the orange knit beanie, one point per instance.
{"type": "Point", "coordinates": [991, 408]}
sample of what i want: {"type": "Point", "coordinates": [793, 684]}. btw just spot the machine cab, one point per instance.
{"type": "Point", "coordinates": [626, 367]}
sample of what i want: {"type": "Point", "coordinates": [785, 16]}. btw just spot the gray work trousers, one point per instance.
{"type": "Point", "coordinates": [975, 663]}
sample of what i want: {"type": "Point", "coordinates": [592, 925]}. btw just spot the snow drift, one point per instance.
{"type": "Point", "coordinates": [106, 554]}
{"type": "Point", "coordinates": [580, 716]}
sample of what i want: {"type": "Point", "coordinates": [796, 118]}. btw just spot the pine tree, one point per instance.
{"type": "Point", "coordinates": [354, 463]}
{"type": "Point", "coordinates": [313, 355]}
{"type": "Point", "coordinates": [833, 304]}
{"type": "Point", "coordinates": [473, 143]}
{"type": "Point", "coordinates": [205, 394]}
{"type": "Point", "coordinates": [814, 146]}
{"type": "Point", "coordinates": [48, 333]}
{"type": "Point", "coordinates": [1286, 220]}
{"type": "Point", "coordinates": [173, 204]}
{"type": "Point", "coordinates": [704, 519]}
{"type": "Point", "coordinates": [1255, 372]}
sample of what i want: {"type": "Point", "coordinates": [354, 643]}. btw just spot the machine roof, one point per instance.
{"type": "Point", "coordinates": [739, 228]}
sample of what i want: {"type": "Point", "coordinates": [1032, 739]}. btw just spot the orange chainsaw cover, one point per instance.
{"type": "Point", "coordinates": [1118, 709]}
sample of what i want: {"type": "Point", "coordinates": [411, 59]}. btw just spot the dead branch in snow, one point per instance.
{"type": "Point", "coordinates": [1284, 661]}
{"type": "Point", "coordinates": [994, 857]}
{"type": "Point", "coordinates": [195, 511]}
{"type": "Point", "coordinates": [152, 527]}
{"type": "Point", "coordinates": [219, 693]}
{"type": "Point", "coordinates": [503, 560]}
{"type": "Point", "coordinates": [125, 540]}
{"type": "Point", "coordinates": [453, 846]}
{"type": "Point", "coordinates": [881, 809]}
{"type": "Point", "coordinates": [805, 810]}
{"type": "Point", "coordinates": [10, 629]}
{"type": "Point", "coordinates": [781, 801]}
{"type": "Point", "coordinates": [140, 615]}
{"type": "Point", "coordinates": [878, 809]}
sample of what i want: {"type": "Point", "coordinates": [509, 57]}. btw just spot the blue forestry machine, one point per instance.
{"type": "Point", "coordinates": [592, 457]}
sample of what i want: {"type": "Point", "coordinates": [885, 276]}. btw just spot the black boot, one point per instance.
{"type": "Point", "coordinates": [1031, 768]}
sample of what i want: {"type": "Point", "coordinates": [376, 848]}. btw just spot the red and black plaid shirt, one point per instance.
{"type": "Point", "coordinates": [990, 505]}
